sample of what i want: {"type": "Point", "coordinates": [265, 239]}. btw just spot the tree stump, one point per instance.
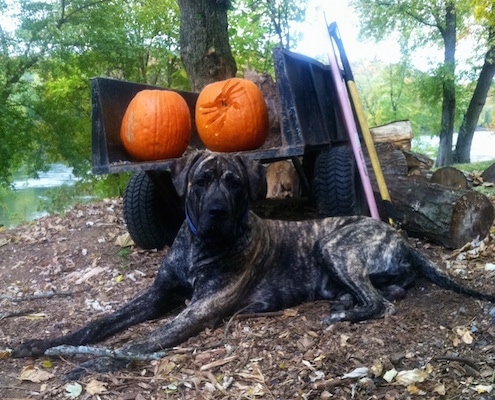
{"type": "Point", "coordinates": [444, 215]}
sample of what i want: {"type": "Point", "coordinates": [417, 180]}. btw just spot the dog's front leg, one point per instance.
{"type": "Point", "coordinates": [203, 311]}
{"type": "Point", "coordinates": [159, 299]}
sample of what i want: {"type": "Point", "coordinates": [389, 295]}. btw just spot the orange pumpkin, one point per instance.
{"type": "Point", "coordinates": [231, 115]}
{"type": "Point", "coordinates": [156, 125]}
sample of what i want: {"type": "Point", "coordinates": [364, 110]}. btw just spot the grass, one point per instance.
{"type": "Point", "coordinates": [478, 166]}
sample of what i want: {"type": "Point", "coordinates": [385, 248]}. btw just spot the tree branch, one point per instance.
{"type": "Point", "coordinates": [66, 350]}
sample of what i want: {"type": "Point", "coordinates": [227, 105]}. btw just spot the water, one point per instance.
{"type": "Point", "coordinates": [482, 148]}
{"type": "Point", "coordinates": [57, 175]}
{"type": "Point", "coordinates": [23, 203]}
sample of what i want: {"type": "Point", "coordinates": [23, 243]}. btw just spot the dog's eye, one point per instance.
{"type": "Point", "coordinates": [200, 182]}
{"type": "Point", "coordinates": [234, 183]}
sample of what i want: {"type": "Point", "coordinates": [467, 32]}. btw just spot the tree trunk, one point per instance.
{"type": "Point", "coordinates": [448, 104]}
{"type": "Point", "coordinates": [204, 42]}
{"type": "Point", "coordinates": [470, 120]}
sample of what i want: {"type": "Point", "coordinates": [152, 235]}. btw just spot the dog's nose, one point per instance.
{"type": "Point", "coordinates": [217, 211]}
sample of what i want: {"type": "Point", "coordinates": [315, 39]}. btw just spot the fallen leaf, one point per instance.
{"type": "Point", "coordinates": [36, 316]}
{"type": "Point", "coordinates": [440, 389]}
{"type": "Point", "coordinates": [316, 376]}
{"type": "Point", "coordinates": [390, 375]}
{"type": "Point", "coordinates": [465, 335]}
{"type": "Point", "coordinates": [91, 273]}
{"type": "Point", "coordinates": [290, 312]}
{"type": "Point", "coordinates": [35, 375]}
{"type": "Point", "coordinates": [413, 389]}
{"type": "Point", "coordinates": [409, 377]}
{"type": "Point", "coordinates": [5, 353]}
{"type": "Point", "coordinates": [73, 390]}
{"type": "Point", "coordinates": [483, 388]}
{"type": "Point", "coordinates": [377, 368]}
{"type": "Point", "coordinates": [96, 387]}
{"type": "Point", "coordinates": [360, 372]}
{"type": "Point", "coordinates": [165, 367]}
{"type": "Point", "coordinates": [489, 267]}
{"type": "Point", "coordinates": [124, 240]}
{"type": "Point", "coordinates": [343, 340]}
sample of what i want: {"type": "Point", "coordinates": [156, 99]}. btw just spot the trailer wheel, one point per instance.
{"type": "Point", "coordinates": [336, 183]}
{"type": "Point", "coordinates": [153, 214]}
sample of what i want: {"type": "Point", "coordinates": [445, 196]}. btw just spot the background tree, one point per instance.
{"type": "Point", "coordinates": [427, 23]}
{"type": "Point", "coordinates": [47, 62]}
{"type": "Point", "coordinates": [204, 41]}
{"type": "Point", "coordinates": [257, 26]}
{"type": "Point", "coordinates": [484, 11]}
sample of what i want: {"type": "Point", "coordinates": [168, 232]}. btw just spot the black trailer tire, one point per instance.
{"type": "Point", "coordinates": [152, 216]}
{"type": "Point", "coordinates": [336, 183]}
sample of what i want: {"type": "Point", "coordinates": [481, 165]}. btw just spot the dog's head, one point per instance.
{"type": "Point", "coordinates": [217, 188]}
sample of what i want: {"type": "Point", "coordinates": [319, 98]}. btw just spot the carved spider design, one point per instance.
{"type": "Point", "coordinates": [219, 107]}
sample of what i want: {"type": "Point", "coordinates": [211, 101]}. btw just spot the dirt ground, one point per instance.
{"type": "Point", "coordinates": [61, 271]}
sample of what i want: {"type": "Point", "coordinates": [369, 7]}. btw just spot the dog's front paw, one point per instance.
{"type": "Point", "coordinates": [101, 364]}
{"type": "Point", "coordinates": [32, 348]}
{"type": "Point", "coordinates": [335, 317]}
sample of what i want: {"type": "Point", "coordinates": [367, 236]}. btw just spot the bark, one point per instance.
{"type": "Point", "coordinates": [439, 213]}
{"type": "Point", "coordinates": [448, 104]}
{"type": "Point", "coordinates": [488, 175]}
{"type": "Point", "coordinates": [204, 42]}
{"type": "Point", "coordinates": [451, 177]}
{"type": "Point", "coordinates": [449, 216]}
{"type": "Point", "coordinates": [470, 120]}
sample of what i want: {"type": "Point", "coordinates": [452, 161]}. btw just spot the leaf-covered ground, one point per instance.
{"type": "Point", "coordinates": [61, 271]}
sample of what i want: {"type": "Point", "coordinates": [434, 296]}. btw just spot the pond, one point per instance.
{"type": "Point", "coordinates": [482, 147]}
{"type": "Point", "coordinates": [23, 203]}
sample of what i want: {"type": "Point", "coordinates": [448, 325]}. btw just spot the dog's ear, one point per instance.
{"type": "Point", "coordinates": [180, 171]}
{"type": "Point", "coordinates": [256, 175]}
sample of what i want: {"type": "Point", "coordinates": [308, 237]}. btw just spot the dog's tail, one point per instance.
{"type": "Point", "coordinates": [440, 278]}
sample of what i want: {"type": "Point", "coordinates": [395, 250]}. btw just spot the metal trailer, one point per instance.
{"type": "Point", "coordinates": [312, 135]}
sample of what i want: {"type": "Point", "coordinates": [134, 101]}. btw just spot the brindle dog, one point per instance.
{"type": "Point", "coordinates": [225, 259]}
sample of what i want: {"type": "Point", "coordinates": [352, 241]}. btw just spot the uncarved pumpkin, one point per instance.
{"type": "Point", "coordinates": [156, 125]}
{"type": "Point", "coordinates": [231, 115]}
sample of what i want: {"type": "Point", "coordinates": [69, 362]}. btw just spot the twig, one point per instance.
{"type": "Point", "coordinates": [461, 360]}
{"type": "Point", "coordinates": [208, 375]}
{"type": "Point", "coordinates": [217, 363]}
{"type": "Point", "coordinates": [46, 295]}
{"type": "Point", "coordinates": [331, 383]}
{"type": "Point", "coordinates": [66, 350]}
{"type": "Point", "coordinates": [15, 313]}
{"type": "Point", "coordinates": [267, 314]}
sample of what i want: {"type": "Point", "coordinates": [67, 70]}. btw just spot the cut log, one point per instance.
{"type": "Point", "coordinates": [450, 176]}
{"type": "Point", "coordinates": [418, 164]}
{"type": "Point", "coordinates": [489, 174]}
{"type": "Point", "coordinates": [398, 132]}
{"type": "Point", "coordinates": [392, 160]}
{"type": "Point", "coordinates": [448, 216]}
{"type": "Point", "coordinates": [438, 213]}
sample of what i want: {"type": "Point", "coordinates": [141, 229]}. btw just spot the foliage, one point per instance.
{"type": "Point", "coordinates": [257, 26]}
{"type": "Point", "coordinates": [47, 62]}
{"type": "Point", "coordinates": [445, 89]}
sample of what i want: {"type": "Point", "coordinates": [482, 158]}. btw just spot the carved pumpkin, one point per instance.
{"type": "Point", "coordinates": [231, 115]}
{"type": "Point", "coordinates": [156, 125]}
